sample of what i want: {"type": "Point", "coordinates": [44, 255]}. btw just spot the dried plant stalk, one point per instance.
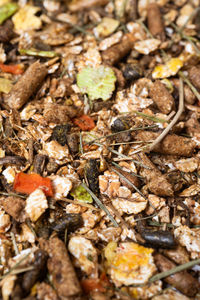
{"type": "Point", "coordinates": [26, 86]}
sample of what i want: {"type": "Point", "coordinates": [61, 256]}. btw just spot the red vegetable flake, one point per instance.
{"type": "Point", "coordinates": [28, 183]}
{"type": "Point", "coordinates": [90, 284]}
{"type": "Point", "coordinates": [101, 285]}
{"type": "Point", "coordinates": [13, 69]}
{"type": "Point", "coordinates": [84, 122]}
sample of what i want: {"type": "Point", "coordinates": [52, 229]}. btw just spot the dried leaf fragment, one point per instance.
{"type": "Point", "coordinates": [5, 85]}
{"type": "Point", "coordinates": [14, 206]}
{"type": "Point", "coordinates": [97, 82]}
{"type": "Point", "coordinates": [25, 18]}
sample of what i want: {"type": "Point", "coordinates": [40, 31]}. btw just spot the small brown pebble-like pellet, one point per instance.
{"type": "Point", "coordinates": [157, 183]}
{"type": "Point", "coordinates": [14, 206]}
{"type": "Point", "coordinates": [162, 97]}
{"type": "Point", "coordinates": [194, 76]}
{"type": "Point", "coordinates": [172, 144]}
{"type": "Point", "coordinates": [115, 53]}
{"type": "Point", "coordinates": [64, 278]}
{"type": "Point", "coordinates": [182, 281]}
{"type": "Point", "coordinates": [26, 86]}
{"type": "Point", "coordinates": [155, 22]}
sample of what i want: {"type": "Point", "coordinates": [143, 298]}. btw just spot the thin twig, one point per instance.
{"type": "Point", "coordinates": [79, 203]}
{"type": "Point", "coordinates": [157, 224]}
{"type": "Point", "coordinates": [14, 243]}
{"type": "Point", "coordinates": [137, 190]}
{"type": "Point", "coordinates": [15, 266]}
{"type": "Point", "coordinates": [116, 133]}
{"type": "Point", "coordinates": [175, 119]}
{"type": "Point", "coordinates": [146, 218]}
{"type": "Point", "coordinates": [123, 156]}
{"type": "Point", "coordinates": [152, 118]}
{"type": "Point", "coordinates": [81, 143]}
{"type": "Point", "coordinates": [28, 222]}
{"type": "Point", "coordinates": [100, 204]}
{"type": "Point", "coordinates": [130, 143]}
{"type": "Point", "coordinates": [185, 37]}
{"type": "Point", "coordinates": [145, 28]}
{"type": "Point", "coordinates": [115, 211]}
{"type": "Point", "coordinates": [13, 195]}
{"type": "Point", "coordinates": [22, 270]}
{"type": "Point", "coordinates": [174, 270]}
{"type": "Point", "coordinates": [195, 11]}
{"type": "Point", "coordinates": [131, 172]}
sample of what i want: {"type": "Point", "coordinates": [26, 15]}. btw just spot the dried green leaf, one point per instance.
{"type": "Point", "coordinates": [35, 52]}
{"type": "Point", "coordinates": [81, 194]}
{"type": "Point", "coordinates": [97, 82]}
{"type": "Point", "coordinates": [7, 10]}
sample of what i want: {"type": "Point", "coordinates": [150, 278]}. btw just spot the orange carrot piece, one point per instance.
{"type": "Point", "coordinates": [13, 69]}
{"type": "Point", "coordinates": [84, 122]}
{"type": "Point", "coordinates": [28, 183]}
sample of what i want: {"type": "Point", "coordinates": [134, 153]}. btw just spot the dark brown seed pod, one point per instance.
{"type": "Point", "coordinates": [119, 124]}
{"type": "Point", "coordinates": [39, 271]}
{"type": "Point", "coordinates": [159, 238]}
{"type": "Point", "coordinates": [60, 133]}
{"type": "Point", "coordinates": [73, 142]}
{"type": "Point", "coordinates": [92, 174]}
{"type": "Point", "coordinates": [132, 72]}
{"type": "Point", "coordinates": [70, 222]}
{"type": "Point", "coordinates": [38, 163]}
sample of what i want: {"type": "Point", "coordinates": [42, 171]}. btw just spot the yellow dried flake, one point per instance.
{"type": "Point", "coordinates": [169, 69]}
{"type": "Point", "coordinates": [25, 19]}
{"type": "Point", "coordinates": [109, 252]}
{"type": "Point", "coordinates": [129, 263]}
{"type": "Point", "coordinates": [5, 85]}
